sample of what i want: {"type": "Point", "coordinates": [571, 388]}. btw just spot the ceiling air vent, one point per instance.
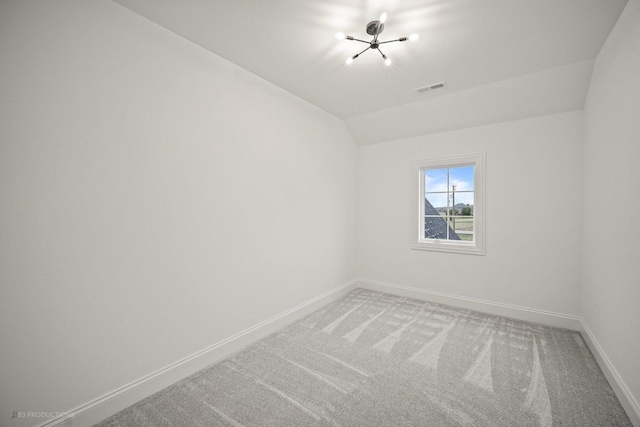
{"type": "Point", "coordinates": [431, 87]}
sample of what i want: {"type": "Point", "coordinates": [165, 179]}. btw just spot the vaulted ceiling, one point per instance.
{"type": "Point", "coordinates": [536, 54]}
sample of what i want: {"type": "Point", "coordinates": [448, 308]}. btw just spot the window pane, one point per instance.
{"type": "Point", "coordinates": [435, 227]}
{"type": "Point", "coordinates": [464, 197]}
{"type": "Point", "coordinates": [463, 202]}
{"type": "Point", "coordinates": [435, 180]}
{"type": "Point", "coordinates": [461, 187]}
{"type": "Point", "coordinates": [461, 177]}
{"type": "Point", "coordinates": [463, 227]}
{"type": "Point", "coordinates": [435, 204]}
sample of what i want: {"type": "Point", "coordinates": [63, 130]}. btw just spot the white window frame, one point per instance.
{"type": "Point", "coordinates": [477, 246]}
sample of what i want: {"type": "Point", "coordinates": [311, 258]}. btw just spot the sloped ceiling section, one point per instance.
{"type": "Point", "coordinates": [546, 92]}
{"type": "Point", "coordinates": [485, 48]}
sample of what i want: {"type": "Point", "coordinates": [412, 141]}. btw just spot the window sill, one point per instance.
{"type": "Point", "coordinates": [443, 246]}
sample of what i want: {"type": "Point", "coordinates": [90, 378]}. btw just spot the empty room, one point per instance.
{"type": "Point", "coordinates": [319, 213]}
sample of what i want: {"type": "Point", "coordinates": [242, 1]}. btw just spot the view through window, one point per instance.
{"type": "Point", "coordinates": [449, 203]}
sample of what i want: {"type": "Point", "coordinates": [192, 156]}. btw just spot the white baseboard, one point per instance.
{"type": "Point", "coordinates": [521, 313]}
{"type": "Point", "coordinates": [113, 402]}
{"type": "Point", "coordinates": [104, 406]}
{"type": "Point", "coordinates": [626, 398]}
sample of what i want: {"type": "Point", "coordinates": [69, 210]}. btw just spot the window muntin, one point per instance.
{"type": "Point", "coordinates": [450, 204]}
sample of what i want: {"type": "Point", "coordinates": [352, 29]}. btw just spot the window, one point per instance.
{"type": "Point", "coordinates": [450, 204]}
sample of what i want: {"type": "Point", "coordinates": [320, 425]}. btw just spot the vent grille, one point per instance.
{"type": "Point", "coordinates": [431, 87]}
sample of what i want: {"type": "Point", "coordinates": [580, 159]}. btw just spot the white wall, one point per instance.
{"type": "Point", "coordinates": [533, 176]}
{"type": "Point", "coordinates": [154, 199]}
{"type": "Point", "coordinates": [611, 271]}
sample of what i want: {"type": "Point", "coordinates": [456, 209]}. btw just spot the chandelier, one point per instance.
{"type": "Point", "coordinates": [374, 28]}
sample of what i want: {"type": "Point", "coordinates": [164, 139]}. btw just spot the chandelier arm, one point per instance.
{"type": "Point", "coordinates": [358, 40]}
{"type": "Point", "coordinates": [368, 47]}
{"type": "Point", "coordinates": [386, 60]}
{"type": "Point", "coordinates": [391, 41]}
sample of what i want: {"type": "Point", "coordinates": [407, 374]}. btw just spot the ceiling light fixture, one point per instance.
{"type": "Point", "coordinates": [374, 28]}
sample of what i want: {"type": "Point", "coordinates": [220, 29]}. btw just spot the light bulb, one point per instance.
{"type": "Point", "coordinates": [387, 61]}
{"type": "Point", "coordinates": [413, 37]}
{"type": "Point", "coordinates": [340, 36]}
{"type": "Point", "coordinates": [383, 17]}
{"type": "Point", "coordinates": [349, 60]}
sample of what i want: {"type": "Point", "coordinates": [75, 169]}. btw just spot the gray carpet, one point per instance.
{"type": "Point", "coordinates": [372, 359]}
